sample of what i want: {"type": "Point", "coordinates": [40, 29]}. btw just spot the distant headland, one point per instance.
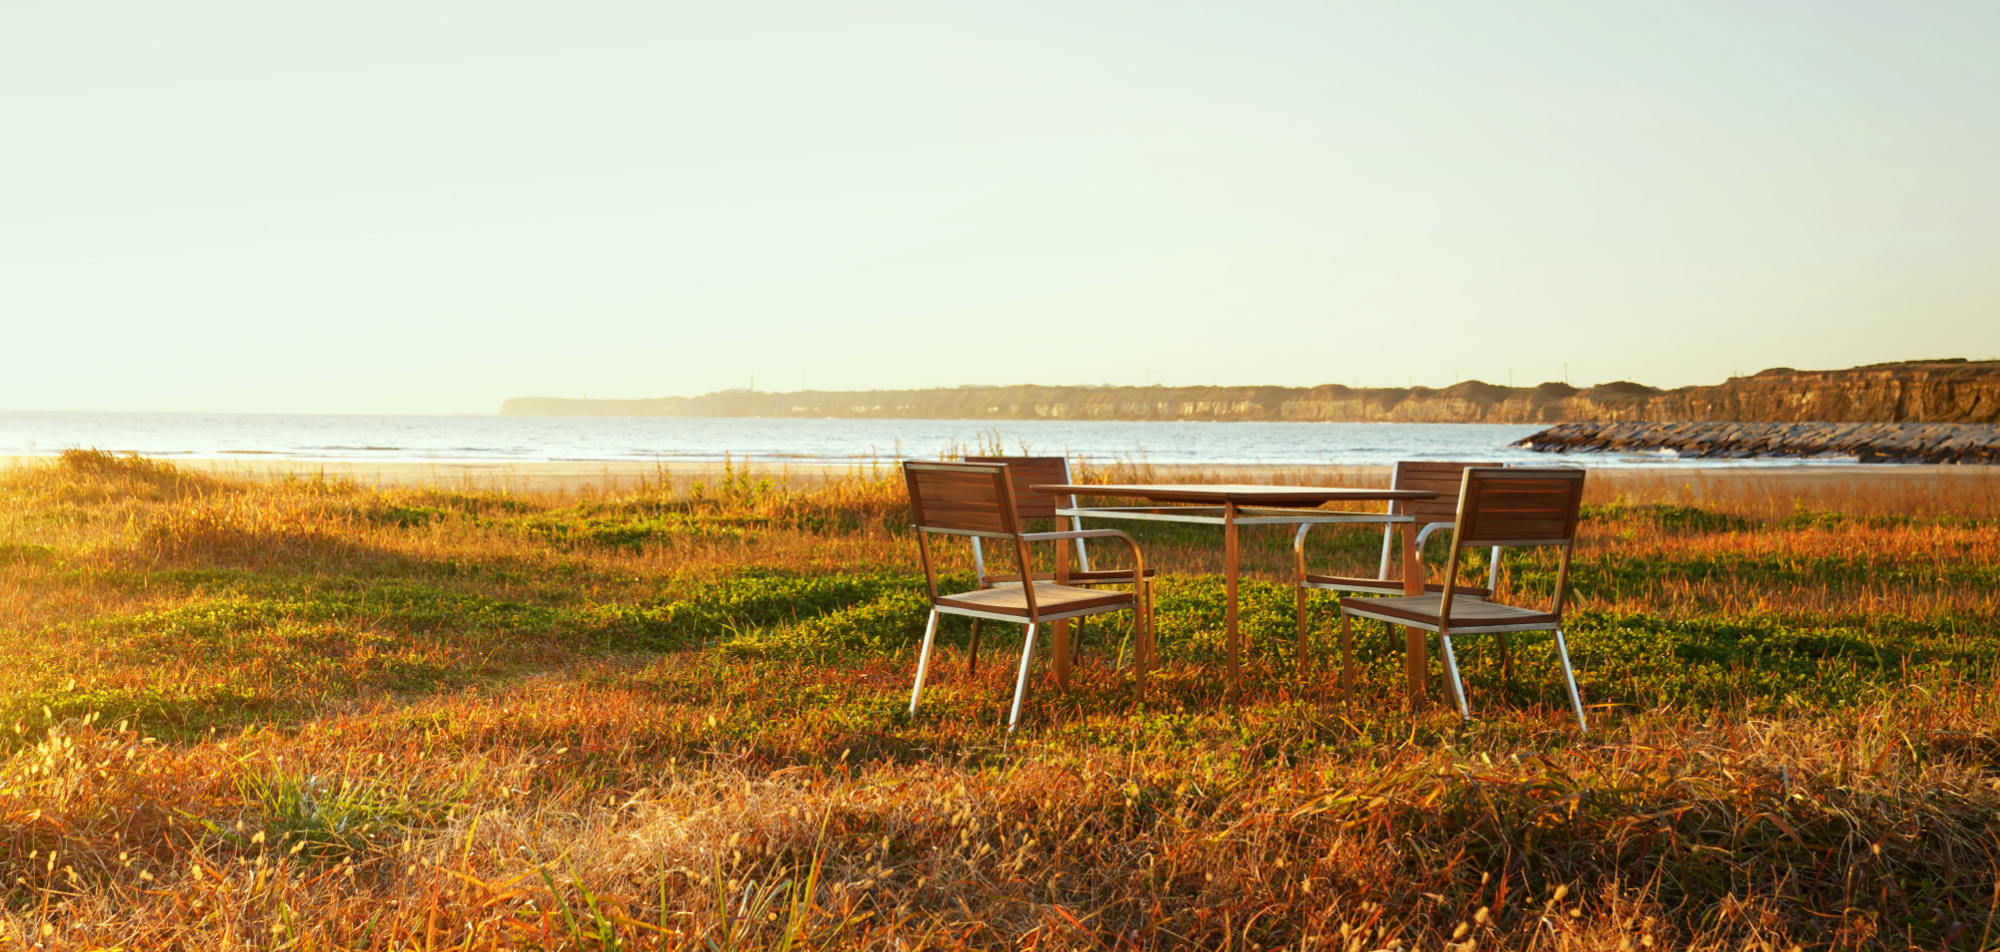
{"type": "Point", "coordinates": [1918, 391]}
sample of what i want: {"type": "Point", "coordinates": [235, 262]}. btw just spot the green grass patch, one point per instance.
{"type": "Point", "coordinates": [1666, 516]}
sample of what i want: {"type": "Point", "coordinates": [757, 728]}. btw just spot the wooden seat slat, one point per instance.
{"type": "Point", "coordinates": [1050, 599]}
{"type": "Point", "coordinates": [1467, 615]}
{"type": "Point", "coordinates": [1076, 576]}
{"type": "Point", "coordinates": [1389, 586]}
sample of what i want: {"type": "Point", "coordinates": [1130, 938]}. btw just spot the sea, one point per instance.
{"type": "Point", "coordinates": [672, 440]}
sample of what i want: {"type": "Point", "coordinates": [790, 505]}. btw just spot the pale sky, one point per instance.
{"type": "Point", "coordinates": [427, 207]}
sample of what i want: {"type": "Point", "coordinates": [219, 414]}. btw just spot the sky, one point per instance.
{"type": "Point", "coordinates": [428, 207]}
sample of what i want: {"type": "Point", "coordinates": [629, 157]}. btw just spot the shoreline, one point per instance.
{"type": "Point", "coordinates": [616, 475]}
{"type": "Point", "coordinates": [513, 475]}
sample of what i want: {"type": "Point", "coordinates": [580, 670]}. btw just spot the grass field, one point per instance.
{"type": "Point", "coordinates": [312, 714]}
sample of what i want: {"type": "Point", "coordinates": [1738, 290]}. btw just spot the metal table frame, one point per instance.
{"type": "Point", "coordinates": [1231, 515]}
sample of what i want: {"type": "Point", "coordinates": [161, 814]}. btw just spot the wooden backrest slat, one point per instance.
{"type": "Point", "coordinates": [1438, 477]}
{"type": "Point", "coordinates": [1026, 471]}
{"type": "Point", "coordinates": [1502, 506]}
{"type": "Point", "coordinates": [963, 497]}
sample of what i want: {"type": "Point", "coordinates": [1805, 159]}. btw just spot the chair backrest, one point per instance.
{"type": "Point", "coordinates": [961, 498]}
{"type": "Point", "coordinates": [1441, 478]}
{"type": "Point", "coordinates": [1519, 507]}
{"type": "Point", "coordinates": [1516, 508]}
{"type": "Point", "coordinates": [1029, 471]}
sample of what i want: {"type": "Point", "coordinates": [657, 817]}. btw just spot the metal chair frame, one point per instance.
{"type": "Point", "coordinates": [1398, 514]}
{"type": "Point", "coordinates": [1499, 528]}
{"type": "Point", "coordinates": [1030, 504]}
{"type": "Point", "coordinates": [981, 506]}
{"type": "Point", "coordinates": [1075, 522]}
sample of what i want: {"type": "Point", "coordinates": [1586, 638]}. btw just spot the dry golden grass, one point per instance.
{"type": "Point", "coordinates": [317, 715]}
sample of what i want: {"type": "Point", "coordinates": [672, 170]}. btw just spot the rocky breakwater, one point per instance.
{"type": "Point", "coordinates": [1866, 442]}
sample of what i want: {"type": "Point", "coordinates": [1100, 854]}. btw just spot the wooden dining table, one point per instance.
{"type": "Point", "coordinates": [1232, 506]}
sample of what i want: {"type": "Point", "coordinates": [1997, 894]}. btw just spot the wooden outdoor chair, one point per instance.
{"type": "Point", "coordinates": [977, 500]}
{"type": "Point", "coordinates": [1429, 515]}
{"type": "Point", "coordinates": [1024, 472]}
{"type": "Point", "coordinates": [1500, 508]}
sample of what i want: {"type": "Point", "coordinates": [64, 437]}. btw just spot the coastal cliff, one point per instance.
{"type": "Point", "coordinates": [1862, 442]}
{"type": "Point", "coordinates": [1931, 391]}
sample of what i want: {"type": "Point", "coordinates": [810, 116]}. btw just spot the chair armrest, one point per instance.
{"type": "Point", "coordinates": [1074, 534]}
{"type": "Point", "coordinates": [1425, 532]}
{"type": "Point", "coordinates": [1138, 557]}
{"type": "Point", "coordinates": [1385, 519]}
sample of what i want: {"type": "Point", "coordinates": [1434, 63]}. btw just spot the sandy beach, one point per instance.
{"type": "Point", "coordinates": [520, 476]}
{"type": "Point", "coordinates": [616, 475]}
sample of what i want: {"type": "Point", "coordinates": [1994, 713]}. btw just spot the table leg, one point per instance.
{"type": "Point", "coordinates": [1229, 565]}
{"type": "Point", "coordinates": [1416, 642]}
{"type": "Point", "coordinates": [1060, 629]}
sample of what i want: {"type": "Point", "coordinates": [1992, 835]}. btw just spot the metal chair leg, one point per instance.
{"type": "Point", "coordinates": [1569, 675]}
{"type": "Point", "coordinates": [972, 653]}
{"type": "Point", "coordinates": [1021, 682]}
{"type": "Point", "coordinates": [1451, 667]}
{"type": "Point", "coordinates": [923, 660]}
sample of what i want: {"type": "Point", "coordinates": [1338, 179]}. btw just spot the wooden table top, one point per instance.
{"type": "Point", "coordinates": [1237, 493]}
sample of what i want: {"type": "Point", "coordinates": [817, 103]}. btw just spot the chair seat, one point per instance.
{"type": "Point", "coordinates": [1050, 598]}
{"type": "Point", "coordinates": [1470, 614]}
{"type": "Point", "coordinates": [1092, 577]}
{"type": "Point", "coordinates": [1378, 586]}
